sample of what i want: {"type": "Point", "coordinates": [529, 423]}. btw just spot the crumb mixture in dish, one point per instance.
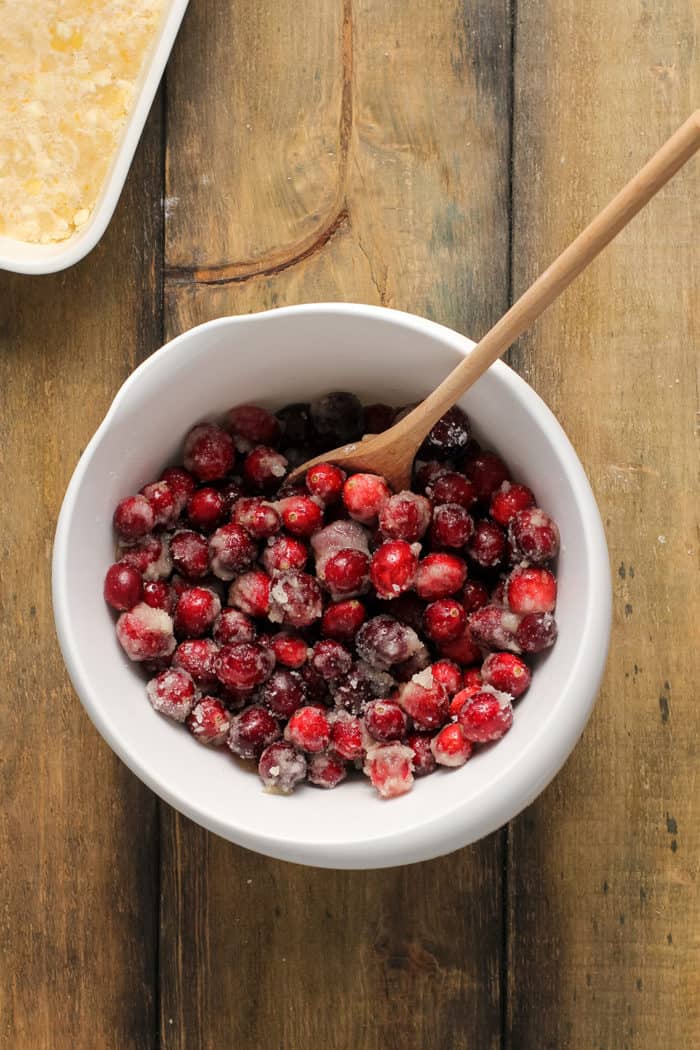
{"type": "Point", "coordinates": [67, 80]}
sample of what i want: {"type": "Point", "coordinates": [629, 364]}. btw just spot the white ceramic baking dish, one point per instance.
{"type": "Point", "coordinates": [23, 257]}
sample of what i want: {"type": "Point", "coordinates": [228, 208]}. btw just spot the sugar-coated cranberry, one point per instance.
{"type": "Point", "coordinates": [487, 716]}
{"type": "Point", "coordinates": [452, 526]}
{"type": "Point", "coordinates": [196, 611]}
{"type": "Point", "coordinates": [160, 595]}
{"type": "Point", "coordinates": [385, 720]}
{"type": "Point", "coordinates": [449, 675]}
{"type": "Point", "coordinates": [301, 516]}
{"type": "Point", "coordinates": [233, 626]}
{"type": "Point", "coordinates": [494, 627]}
{"type": "Point", "coordinates": [444, 620]}
{"type": "Point", "coordinates": [163, 503]}
{"type": "Point", "coordinates": [206, 508]}
{"type": "Point", "coordinates": [255, 425]}
{"type": "Point", "coordinates": [364, 495]}
{"type": "Point", "coordinates": [390, 769]}
{"type": "Point", "coordinates": [295, 599]}
{"type": "Point", "coordinates": [508, 500]}
{"type": "Point", "coordinates": [172, 693]}
{"type": "Point", "coordinates": [450, 746]}
{"type": "Point", "coordinates": [145, 633]}
{"type": "Point", "coordinates": [378, 418]}
{"type": "Point", "coordinates": [284, 553]}
{"type": "Point", "coordinates": [209, 452]}
{"type": "Point", "coordinates": [325, 481]}
{"type": "Point", "coordinates": [393, 568]}
{"type": "Point", "coordinates": [290, 649]}
{"type": "Point", "coordinates": [231, 490]}
{"type": "Point", "coordinates": [264, 468]}
{"type": "Point", "coordinates": [487, 472]}
{"type": "Point", "coordinates": [330, 658]}
{"type": "Point", "coordinates": [423, 758]}
{"type": "Point", "coordinates": [507, 673]}
{"type": "Point", "coordinates": [487, 546]}
{"type": "Point", "coordinates": [471, 688]}
{"type": "Point", "coordinates": [404, 671]}
{"type": "Point", "coordinates": [209, 722]}
{"type": "Point", "coordinates": [405, 516]}
{"type": "Point", "coordinates": [338, 535]}
{"type": "Point", "coordinates": [352, 692]}
{"type": "Point", "coordinates": [231, 550]}
{"type": "Point", "coordinates": [337, 418]}
{"type": "Point", "coordinates": [346, 573]}
{"type": "Point", "coordinates": [463, 649]}
{"type": "Point", "coordinates": [439, 576]}
{"type": "Point", "coordinates": [243, 665]}
{"type": "Point", "coordinates": [308, 729]}
{"type": "Point", "coordinates": [181, 484]}
{"type": "Point", "coordinates": [284, 692]}
{"type": "Point", "coordinates": [198, 657]}
{"type": "Point", "coordinates": [123, 586]}
{"type": "Point", "coordinates": [426, 474]}
{"type": "Point", "coordinates": [326, 770]}
{"type": "Point", "coordinates": [425, 700]}
{"type": "Point", "coordinates": [343, 620]}
{"type": "Point", "coordinates": [452, 487]}
{"type": "Point", "coordinates": [251, 732]}
{"type": "Point", "coordinates": [534, 535]}
{"type": "Point", "coordinates": [150, 556]}
{"type": "Point", "coordinates": [347, 735]}
{"type": "Point", "coordinates": [190, 553]}
{"type": "Point", "coordinates": [250, 593]}
{"type": "Point", "coordinates": [474, 596]}
{"type": "Point", "coordinates": [530, 590]}
{"type": "Point", "coordinates": [384, 641]}
{"type": "Point", "coordinates": [133, 517]}
{"type": "Point", "coordinates": [297, 428]}
{"type": "Point", "coordinates": [536, 632]}
{"type": "Point", "coordinates": [281, 767]}
{"type": "Point", "coordinates": [449, 436]}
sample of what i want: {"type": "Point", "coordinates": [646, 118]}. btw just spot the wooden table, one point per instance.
{"type": "Point", "coordinates": [431, 156]}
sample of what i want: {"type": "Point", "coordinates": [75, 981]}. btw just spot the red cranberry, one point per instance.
{"type": "Point", "coordinates": [425, 475]}
{"type": "Point", "coordinates": [444, 620]}
{"type": "Point", "coordinates": [343, 620]}
{"type": "Point", "coordinates": [450, 746]}
{"type": "Point", "coordinates": [301, 516]}
{"type": "Point", "coordinates": [364, 495]}
{"type": "Point", "coordinates": [508, 500]}
{"type": "Point", "coordinates": [393, 568]}
{"type": "Point", "coordinates": [284, 553]}
{"type": "Point", "coordinates": [390, 769]}
{"type": "Point", "coordinates": [209, 452]}
{"type": "Point", "coordinates": [487, 546]}
{"type": "Point", "coordinates": [378, 418]}
{"type": "Point", "coordinates": [123, 586]}
{"type": "Point", "coordinates": [463, 649]}
{"type": "Point", "coordinates": [181, 484]}
{"type": "Point", "coordinates": [330, 659]}
{"type": "Point", "coordinates": [425, 700]}
{"type": "Point", "coordinates": [231, 550]}
{"type": "Point", "coordinates": [281, 767]}
{"type": "Point", "coordinates": [264, 468]}
{"type": "Point", "coordinates": [487, 472]}
{"type": "Point", "coordinates": [325, 481]}
{"type": "Point", "coordinates": [190, 553]}
{"type": "Point", "coordinates": [495, 628]}
{"type": "Point", "coordinates": [451, 526]}
{"type": "Point", "coordinates": [536, 632]}
{"type": "Point", "coordinates": [308, 729]}
{"type": "Point", "coordinates": [531, 590]}
{"type": "Point", "coordinates": [474, 596]}
{"type": "Point", "coordinates": [534, 535]}
{"type": "Point", "coordinates": [337, 418]}
{"type": "Point", "coordinates": [487, 716]}
{"type": "Point", "coordinates": [160, 595]}
{"type": "Point", "coordinates": [346, 574]}
{"type": "Point", "coordinates": [206, 508]}
{"type": "Point", "coordinates": [449, 675]}
{"type": "Point", "coordinates": [251, 732]}
{"type": "Point", "coordinates": [257, 516]}
{"type": "Point", "coordinates": [449, 436]}
{"type": "Point", "coordinates": [295, 599]}
{"type": "Point", "coordinates": [233, 626]}
{"type": "Point", "coordinates": [243, 665]}
{"type": "Point", "coordinates": [326, 770]}
{"type": "Point", "coordinates": [163, 504]}
{"type": "Point", "coordinates": [145, 633]}
{"type": "Point", "coordinates": [452, 487]}
{"type": "Point", "coordinates": [347, 737]}
{"type": "Point", "coordinates": [284, 692]}
{"type": "Point", "coordinates": [134, 517]}
{"type": "Point", "coordinates": [423, 759]}
{"type": "Point", "coordinates": [384, 641]}
{"type": "Point", "coordinates": [256, 426]}
{"type": "Point", "coordinates": [405, 516]}
{"type": "Point", "coordinates": [385, 720]}
{"type": "Point", "coordinates": [209, 722]}
{"type": "Point", "coordinates": [289, 649]}
{"type": "Point", "coordinates": [251, 593]}
{"type": "Point", "coordinates": [507, 673]}
{"type": "Point", "coordinates": [196, 612]}
{"type": "Point", "coordinates": [439, 576]}
{"type": "Point", "coordinates": [172, 693]}
{"type": "Point", "coordinates": [473, 684]}
{"type": "Point", "coordinates": [197, 657]}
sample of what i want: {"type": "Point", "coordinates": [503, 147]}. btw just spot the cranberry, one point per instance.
{"type": "Point", "coordinates": [390, 769]}
{"type": "Point", "coordinates": [353, 692]}
{"type": "Point", "coordinates": [405, 516]}
{"type": "Point", "coordinates": [284, 692]}
{"type": "Point", "coordinates": [251, 732]}
{"type": "Point", "coordinates": [281, 767]}
{"type": "Point", "coordinates": [508, 500]}
{"type": "Point", "coordinates": [163, 503]}
{"type": "Point", "coordinates": [404, 671]}
{"type": "Point", "coordinates": [325, 481]}
{"type": "Point", "coordinates": [378, 418]}
{"type": "Point", "coordinates": [243, 665]}
{"type": "Point", "coordinates": [444, 620]}
{"type": "Point", "coordinates": [474, 596]}
{"type": "Point", "coordinates": [337, 418]}
{"type": "Point", "coordinates": [534, 535]}
{"type": "Point", "coordinates": [297, 428]}
{"type": "Point", "coordinates": [160, 595]}
{"type": "Point", "coordinates": [423, 758]}
{"type": "Point", "coordinates": [190, 553]}
{"type": "Point", "coordinates": [196, 611]}
{"type": "Point", "coordinates": [197, 657]}
{"type": "Point", "coordinates": [172, 693]}
{"type": "Point", "coordinates": [343, 620]}
{"type": "Point", "coordinates": [346, 574]}
{"type": "Point", "coordinates": [231, 550]}
{"type": "Point", "coordinates": [407, 608]}
{"type": "Point", "coordinates": [439, 576]}
{"type": "Point", "coordinates": [347, 737]}
{"type": "Point", "coordinates": [289, 649]}
{"type": "Point", "coordinates": [449, 675]}
{"type": "Point", "coordinates": [256, 426]}
{"type": "Point", "coordinates": [364, 495]}
{"type": "Point", "coordinates": [487, 716]}
{"type": "Point", "coordinates": [209, 722]}
{"type": "Point", "coordinates": [295, 599]}
{"type": "Point", "coordinates": [251, 593]}
{"type": "Point", "coordinates": [393, 568]}
{"type": "Point", "coordinates": [384, 641]}
{"type": "Point", "coordinates": [317, 689]}
{"type": "Point", "coordinates": [123, 586]}
{"type": "Point", "coordinates": [209, 452]}
{"type": "Point", "coordinates": [284, 553]}
{"type": "Point", "coordinates": [301, 516]}
{"type": "Point", "coordinates": [498, 594]}
{"type": "Point", "coordinates": [450, 746]}
{"type": "Point", "coordinates": [425, 700]}
{"type": "Point", "coordinates": [385, 720]}
{"type": "Point", "coordinates": [452, 525]}
{"type": "Point", "coordinates": [233, 626]}
{"type": "Point", "coordinates": [463, 649]}
{"type": "Point", "coordinates": [181, 484]}
{"type": "Point", "coordinates": [536, 632]}
{"type": "Point", "coordinates": [330, 659]}
{"type": "Point", "coordinates": [425, 475]}
{"type": "Point", "coordinates": [452, 487]}
{"type": "Point", "coordinates": [487, 472]}
{"type": "Point", "coordinates": [487, 546]}
{"type": "Point", "coordinates": [472, 686]}
{"type": "Point", "coordinates": [531, 590]}
{"type": "Point", "coordinates": [231, 490]}
{"type": "Point", "coordinates": [205, 508]}
{"type": "Point", "coordinates": [264, 468]}
{"type": "Point", "coordinates": [326, 770]}
{"type": "Point", "coordinates": [134, 517]}
{"type": "Point", "coordinates": [308, 729]}
{"type": "Point", "coordinates": [449, 436]}
{"type": "Point", "coordinates": [495, 628]}
{"type": "Point", "coordinates": [507, 673]}
{"type": "Point", "coordinates": [145, 633]}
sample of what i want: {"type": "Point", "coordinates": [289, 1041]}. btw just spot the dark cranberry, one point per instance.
{"type": "Point", "coordinates": [487, 546]}
{"type": "Point", "coordinates": [338, 418]}
{"type": "Point", "coordinates": [384, 641]}
{"type": "Point", "coordinates": [474, 595]}
{"type": "Point", "coordinates": [347, 736]}
{"type": "Point", "coordinates": [295, 599]}
{"type": "Point", "coordinates": [250, 592]}
{"type": "Point", "coordinates": [233, 626]}
{"type": "Point", "coordinates": [145, 633]}
{"type": "Point", "coordinates": [507, 673]}
{"type": "Point", "coordinates": [487, 716]}
{"type": "Point", "coordinates": [463, 649]}
{"type": "Point", "coordinates": [444, 620]}
{"type": "Point", "coordinates": [297, 428]}
{"type": "Point", "coordinates": [301, 516]}
{"type": "Point", "coordinates": [206, 508]}
{"type": "Point", "coordinates": [196, 611]}
{"type": "Point", "coordinates": [407, 608]}
{"type": "Point", "coordinates": [231, 550]}
{"type": "Point", "coordinates": [495, 628]}
{"type": "Point", "coordinates": [449, 436]}
{"type": "Point", "coordinates": [346, 574]}
{"type": "Point", "coordinates": [378, 418]}
{"type": "Point", "coordinates": [281, 767]}
{"type": "Point", "coordinates": [393, 568]}
{"type": "Point", "coordinates": [289, 649]}
{"type": "Point", "coordinates": [448, 674]}
{"type": "Point", "coordinates": [190, 553]}
{"type": "Point", "coordinates": [284, 692]}
{"type": "Point", "coordinates": [405, 516]}
{"type": "Point", "coordinates": [209, 452]}
{"type": "Point", "coordinates": [353, 691]}
{"type": "Point", "coordinates": [308, 729]}
{"type": "Point", "coordinates": [284, 553]}
{"type": "Point", "coordinates": [364, 495]}
{"type": "Point", "coordinates": [452, 487]}
{"type": "Point", "coordinates": [264, 468]}
{"type": "Point", "coordinates": [326, 770]}
{"type": "Point", "coordinates": [181, 484]}
{"type": "Point", "coordinates": [385, 720]}
{"type": "Point", "coordinates": [251, 732]}
{"type": "Point", "coordinates": [243, 665]}
{"type": "Point", "coordinates": [209, 722]}
{"type": "Point", "coordinates": [330, 659]}
{"type": "Point", "coordinates": [255, 425]}
{"type": "Point", "coordinates": [197, 658]}
{"type": "Point", "coordinates": [160, 595]}
{"type": "Point", "coordinates": [423, 758]}
{"type": "Point", "coordinates": [452, 525]}
{"type": "Point", "coordinates": [508, 500]}
{"type": "Point", "coordinates": [172, 693]}
{"type": "Point", "coordinates": [134, 517]}
{"type": "Point", "coordinates": [426, 474]}
{"type": "Point", "coordinates": [487, 472]}
{"type": "Point", "coordinates": [317, 688]}
{"type": "Point", "coordinates": [325, 481]}
{"type": "Point", "coordinates": [439, 576]}
{"type": "Point", "coordinates": [343, 620]}
{"type": "Point", "coordinates": [536, 632]}
{"type": "Point", "coordinates": [534, 535]}
{"type": "Point", "coordinates": [123, 587]}
{"type": "Point", "coordinates": [231, 490]}
{"type": "Point", "coordinates": [450, 746]}
{"type": "Point", "coordinates": [163, 504]}
{"type": "Point", "coordinates": [405, 671]}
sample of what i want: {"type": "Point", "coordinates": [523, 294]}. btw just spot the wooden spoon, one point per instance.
{"type": "Point", "coordinates": [392, 453]}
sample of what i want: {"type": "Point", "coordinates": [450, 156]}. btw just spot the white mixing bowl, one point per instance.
{"type": "Point", "coordinates": [294, 354]}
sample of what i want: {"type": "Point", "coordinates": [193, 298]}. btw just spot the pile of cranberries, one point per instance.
{"type": "Point", "coordinates": [327, 624]}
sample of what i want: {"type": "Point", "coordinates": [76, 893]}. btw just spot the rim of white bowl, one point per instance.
{"type": "Point", "coordinates": [528, 772]}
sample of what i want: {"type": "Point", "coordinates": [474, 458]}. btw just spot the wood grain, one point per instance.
{"type": "Point", "coordinates": [604, 907]}
{"type": "Point", "coordinates": [77, 830]}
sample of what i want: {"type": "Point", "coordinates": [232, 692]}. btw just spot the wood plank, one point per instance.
{"type": "Point", "coordinates": [604, 919]}
{"type": "Point", "coordinates": [78, 832]}
{"type": "Point", "coordinates": [255, 952]}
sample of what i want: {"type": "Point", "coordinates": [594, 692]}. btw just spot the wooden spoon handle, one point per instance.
{"type": "Point", "coordinates": [638, 191]}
